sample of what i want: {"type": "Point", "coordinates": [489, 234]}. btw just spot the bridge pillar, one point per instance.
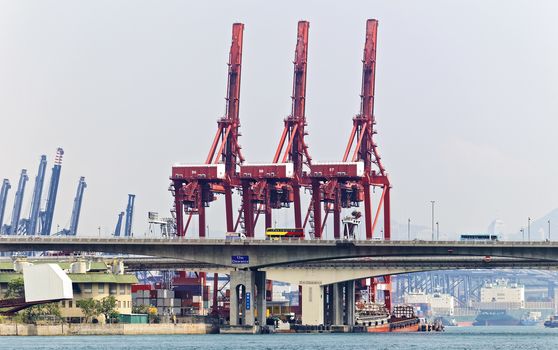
{"type": "Point", "coordinates": [349, 302]}
{"type": "Point", "coordinates": [337, 304]}
{"type": "Point", "coordinates": [312, 304]}
{"type": "Point", "coordinates": [247, 297]}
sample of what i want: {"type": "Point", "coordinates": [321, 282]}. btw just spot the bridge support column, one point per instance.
{"type": "Point", "coordinates": [349, 302]}
{"type": "Point", "coordinates": [312, 304]}
{"type": "Point", "coordinates": [247, 297]}
{"type": "Point", "coordinates": [337, 304]}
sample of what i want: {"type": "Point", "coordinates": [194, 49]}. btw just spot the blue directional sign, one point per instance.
{"type": "Point", "coordinates": [240, 259]}
{"type": "Point", "coordinates": [247, 300]}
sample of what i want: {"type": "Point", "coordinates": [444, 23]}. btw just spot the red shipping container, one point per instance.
{"type": "Point", "coordinates": [137, 287]}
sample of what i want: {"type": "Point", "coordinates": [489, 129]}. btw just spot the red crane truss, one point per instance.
{"type": "Point", "coordinates": [347, 183]}
{"type": "Point", "coordinates": [273, 186]}
{"type": "Point", "coordinates": [195, 186]}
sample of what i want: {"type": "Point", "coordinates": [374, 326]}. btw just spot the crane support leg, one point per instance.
{"type": "Point", "coordinates": [248, 208]}
{"type": "Point", "coordinates": [229, 207]}
{"type": "Point", "coordinates": [337, 217]}
{"type": "Point", "coordinates": [201, 213]}
{"type": "Point", "coordinates": [316, 201]}
{"type": "Point", "coordinates": [367, 210]}
{"type": "Point", "coordinates": [387, 214]}
{"type": "Point", "coordinates": [297, 206]}
{"type": "Point", "coordinates": [268, 212]}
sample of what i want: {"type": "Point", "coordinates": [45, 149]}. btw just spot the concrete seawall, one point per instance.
{"type": "Point", "coordinates": [105, 329]}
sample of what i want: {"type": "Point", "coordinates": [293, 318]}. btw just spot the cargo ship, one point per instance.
{"type": "Point", "coordinates": [375, 318]}
{"type": "Point", "coordinates": [495, 317]}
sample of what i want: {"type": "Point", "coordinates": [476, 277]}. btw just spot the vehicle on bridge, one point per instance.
{"type": "Point", "coordinates": [234, 236]}
{"type": "Point", "coordinates": [479, 237]}
{"type": "Point", "coordinates": [284, 233]}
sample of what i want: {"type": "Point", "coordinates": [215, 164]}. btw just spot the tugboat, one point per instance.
{"type": "Point", "coordinates": [530, 319]}
{"type": "Point", "coordinates": [552, 322]}
{"type": "Point", "coordinates": [376, 319]}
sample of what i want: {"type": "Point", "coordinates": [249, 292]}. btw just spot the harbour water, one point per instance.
{"type": "Point", "coordinates": [454, 338]}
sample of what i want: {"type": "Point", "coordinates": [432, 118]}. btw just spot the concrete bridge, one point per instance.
{"type": "Point", "coordinates": [257, 254]}
{"type": "Point", "coordinates": [312, 264]}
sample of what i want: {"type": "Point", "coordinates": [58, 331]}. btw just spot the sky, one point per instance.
{"type": "Point", "coordinates": [466, 103]}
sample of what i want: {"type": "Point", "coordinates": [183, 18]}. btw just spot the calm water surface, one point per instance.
{"type": "Point", "coordinates": [462, 338]}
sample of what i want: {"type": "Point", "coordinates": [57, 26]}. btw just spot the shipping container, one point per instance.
{"type": "Point", "coordinates": [133, 318]}
{"type": "Point", "coordinates": [267, 171]}
{"type": "Point", "coordinates": [138, 287]}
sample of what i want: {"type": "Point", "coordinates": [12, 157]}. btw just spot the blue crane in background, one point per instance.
{"type": "Point", "coordinates": [74, 221]}
{"type": "Point", "coordinates": [16, 213]}
{"type": "Point", "coordinates": [47, 215]}
{"type": "Point", "coordinates": [30, 225]}
{"type": "Point", "coordinates": [3, 200]}
{"type": "Point", "coordinates": [129, 215]}
{"type": "Point", "coordinates": [77, 206]}
{"type": "Point", "coordinates": [118, 228]}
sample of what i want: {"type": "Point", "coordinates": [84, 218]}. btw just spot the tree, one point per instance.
{"type": "Point", "coordinates": [15, 289]}
{"type": "Point", "coordinates": [107, 307]}
{"type": "Point", "coordinates": [89, 307]}
{"type": "Point", "coordinates": [140, 309]}
{"type": "Point", "coordinates": [36, 312]}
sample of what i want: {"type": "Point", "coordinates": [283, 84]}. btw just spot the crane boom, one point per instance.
{"type": "Point", "coordinates": [77, 206]}
{"type": "Point", "coordinates": [3, 200]}
{"type": "Point", "coordinates": [16, 213]}
{"type": "Point", "coordinates": [32, 223]}
{"type": "Point", "coordinates": [118, 228]}
{"type": "Point", "coordinates": [47, 215]}
{"type": "Point", "coordinates": [129, 215]}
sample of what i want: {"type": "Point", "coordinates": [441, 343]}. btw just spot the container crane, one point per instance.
{"type": "Point", "coordinates": [277, 185]}
{"type": "Point", "coordinates": [76, 210]}
{"type": "Point", "coordinates": [129, 215]}
{"type": "Point", "coordinates": [347, 183]}
{"type": "Point", "coordinates": [3, 200]}
{"type": "Point", "coordinates": [47, 215]}
{"type": "Point", "coordinates": [118, 228]}
{"type": "Point", "coordinates": [30, 226]}
{"type": "Point", "coordinates": [194, 186]}
{"type": "Point", "coordinates": [16, 213]}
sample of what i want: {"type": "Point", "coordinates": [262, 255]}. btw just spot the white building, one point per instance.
{"type": "Point", "coordinates": [502, 292]}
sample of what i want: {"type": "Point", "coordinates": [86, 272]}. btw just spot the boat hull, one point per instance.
{"type": "Point", "coordinates": [412, 325]}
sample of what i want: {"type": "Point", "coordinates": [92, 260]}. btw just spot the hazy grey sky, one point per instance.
{"type": "Point", "coordinates": [466, 100]}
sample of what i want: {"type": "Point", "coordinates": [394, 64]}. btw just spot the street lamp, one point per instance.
{"type": "Point", "coordinates": [549, 229]}
{"type": "Point", "coordinates": [432, 218]}
{"type": "Point", "coordinates": [437, 231]}
{"type": "Point", "coordinates": [529, 229]}
{"type": "Point", "coordinates": [522, 233]}
{"type": "Point", "coordinates": [409, 229]}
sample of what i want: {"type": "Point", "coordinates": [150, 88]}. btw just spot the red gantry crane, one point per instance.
{"type": "Point", "coordinates": [195, 186]}
{"type": "Point", "coordinates": [348, 183]}
{"type": "Point", "coordinates": [345, 184]}
{"type": "Point", "coordinates": [277, 185]}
